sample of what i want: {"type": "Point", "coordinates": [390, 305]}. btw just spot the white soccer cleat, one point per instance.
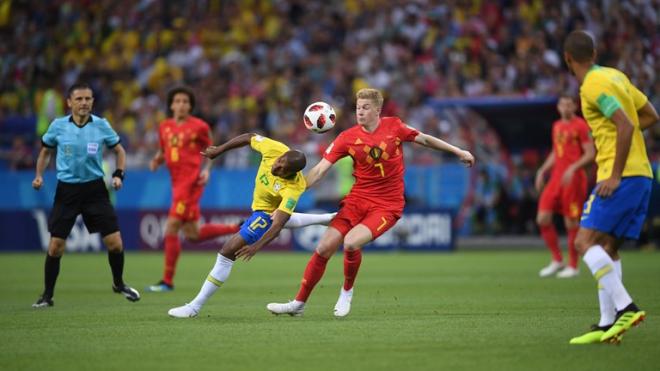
{"type": "Point", "coordinates": [568, 272]}
{"type": "Point", "coordinates": [185, 311]}
{"type": "Point", "coordinates": [551, 269]}
{"type": "Point", "coordinates": [292, 308]}
{"type": "Point", "coordinates": [343, 306]}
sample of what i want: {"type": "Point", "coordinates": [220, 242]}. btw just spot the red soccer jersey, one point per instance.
{"type": "Point", "coordinates": [567, 140]}
{"type": "Point", "coordinates": [181, 145]}
{"type": "Point", "coordinates": [377, 161]}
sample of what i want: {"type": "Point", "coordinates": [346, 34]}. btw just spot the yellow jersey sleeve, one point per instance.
{"type": "Point", "coordinates": [639, 99]}
{"type": "Point", "coordinates": [290, 196]}
{"type": "Point", "coordinates": [602, 97]}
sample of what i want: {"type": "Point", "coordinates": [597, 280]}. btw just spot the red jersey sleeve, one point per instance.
{"type": "Point", "coordinates": [405, 132]}
{"type": "Point", "coordinates": [204, 136]}
{"type": "Point", "coordinates": [161, 140]}
{"type": "Point", "coordinates": [337, 149]}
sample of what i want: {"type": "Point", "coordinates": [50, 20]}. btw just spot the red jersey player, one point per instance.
{"type": "Point", "coordinates": [182, 138]}
{"type": "Point", "coordinates": [565, 193]}
{"type": "Point", "coordinates": [375, 201]}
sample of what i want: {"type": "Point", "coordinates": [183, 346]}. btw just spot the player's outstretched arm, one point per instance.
{"type": "Point", "coordinates": [440, 145]}
{"type": "Point", "coordinates": [317, 172]}
{"type": "Point", "coordinates": [648, 116]}
{"type": "Point", "coordinates": [42, 163]}
{"type": "Point", "coordinates": [236, 142]}
{"type": "Point", "coordinates": [279, 220]}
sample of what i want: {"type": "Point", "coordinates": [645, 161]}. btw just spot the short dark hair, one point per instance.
{"type": "Point", "coordinates": [180, 90]}
{"type": "Point", "coordinates": [78, 86]}
{"type": "Point", "coordinates": [296, 160]}
{"type": "Point", "coordinates": [580, 46]}
{"type": "Point", "coordinates": [567, 95]}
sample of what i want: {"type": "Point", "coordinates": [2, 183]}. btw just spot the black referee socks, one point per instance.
{"type": "Point", "coordinates": [116, 261]}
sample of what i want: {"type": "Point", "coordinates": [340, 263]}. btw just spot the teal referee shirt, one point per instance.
{"type": "Point", "coordinates": [79, 149]}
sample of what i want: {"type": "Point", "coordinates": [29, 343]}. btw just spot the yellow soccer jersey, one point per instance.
{"type": "Point", "coordinates": [603, 91]}
{"type": "Point", "coordinates": [272, 192]}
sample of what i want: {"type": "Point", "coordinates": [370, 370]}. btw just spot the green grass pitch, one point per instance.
{"type": "Point", "coordinates": [458, 311]}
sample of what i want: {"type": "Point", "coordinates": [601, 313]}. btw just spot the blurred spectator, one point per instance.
{"type": "Point", "coordinates": [49, 104]}
{"type": "Point", "coordinates": [260, 62]}
{"type": "Point", "coordinates": [487, 196]}
{"type": "Point", "coordinates": [20, 156]}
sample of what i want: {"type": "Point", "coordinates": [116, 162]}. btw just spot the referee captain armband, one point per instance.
{"type": "Point", "coordinates": [119, 173]}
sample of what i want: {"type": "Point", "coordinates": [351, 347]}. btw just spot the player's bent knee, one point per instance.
{"type": "Point", "coordinates": [543, 220]}
{"type": "Point", "coordinates": [583, 243]}
{"type": "Point", "coordinates": [351, 247]}
{"type": "Point", "coordinates": [115, 248]}
{"type": "Point", "coordinates": [113, 242]}
{"type": "Point", "coordinates": [326, 250]}
{"type": "Point", "coordinates": [326, 253]}
{"type": "Point", "coordinates": [191, 236]}
{"type": "Point", "coordinates": [56, 246]}
{"type": "Point", "coordinates": [172, 226]}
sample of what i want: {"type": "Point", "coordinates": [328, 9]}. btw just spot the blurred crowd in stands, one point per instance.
{"type": "Point", "coordinates": [256, 64]}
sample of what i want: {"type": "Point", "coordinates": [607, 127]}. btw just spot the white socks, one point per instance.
{"type": "Point", "coordinates": [605, 271]}
{"type": "Point", "coordinates": [214, 280]}
{"type": "Point", "coordinates": [298, 220]}
{"type": "Point", "coordinates": [618, 268]}
{"type": "Point", "coordinates": [607, 309]}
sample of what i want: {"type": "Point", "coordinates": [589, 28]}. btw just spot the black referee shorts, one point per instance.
{"type": "Point", "coordinates": [89, 199]}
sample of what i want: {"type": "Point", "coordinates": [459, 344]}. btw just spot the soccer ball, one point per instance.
{"type": "Point", "coordinates": [319, 117]}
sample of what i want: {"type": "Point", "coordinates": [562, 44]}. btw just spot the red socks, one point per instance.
{"type": "Point", "coordinates": [549, 234]}
{"type": "Point", "coordinates": [313, 273]}
{"type": "Point", "coordinates": [352, 260]}
{"type": "Point", "coordinates": [316, 267]}
{"type": "Point", "coordinates": [208, 231]}
{"type": "Point", "coordinates": [572, 252]}
{"type": "Point", "coordinates": [172, 251]}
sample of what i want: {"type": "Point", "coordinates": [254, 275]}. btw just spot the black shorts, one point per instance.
{"type": "Point", "coordinates": [89, 199]}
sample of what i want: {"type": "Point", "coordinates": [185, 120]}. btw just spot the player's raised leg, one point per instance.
{"type": "Point", "coordinates": [210, 231]}
{"type": "Point", "coordinates": [299, 220]}
{"type": "Point", "coordinates": [314, 270]}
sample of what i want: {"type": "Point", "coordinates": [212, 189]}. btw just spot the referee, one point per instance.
{"type": "Point", "coordinates": [79, 140]}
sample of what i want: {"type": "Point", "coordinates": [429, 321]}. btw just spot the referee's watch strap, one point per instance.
{"type": "Point", "coordinates": [119, 173]}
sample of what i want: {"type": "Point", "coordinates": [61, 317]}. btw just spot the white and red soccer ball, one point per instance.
{"type": "Point", "coordinates": [319, 117]}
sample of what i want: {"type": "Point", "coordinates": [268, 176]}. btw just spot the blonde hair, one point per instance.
{"type": "Point", "coordinates": [372, 94]}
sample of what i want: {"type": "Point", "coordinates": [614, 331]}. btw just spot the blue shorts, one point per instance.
{"type": "Point", "coordinates": [623, 213]}
{"type": "Point", "coordinates": [255, 226]}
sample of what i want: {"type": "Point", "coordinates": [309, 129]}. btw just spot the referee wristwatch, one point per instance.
{"type": "Point", "coordinates": [119, 173]}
